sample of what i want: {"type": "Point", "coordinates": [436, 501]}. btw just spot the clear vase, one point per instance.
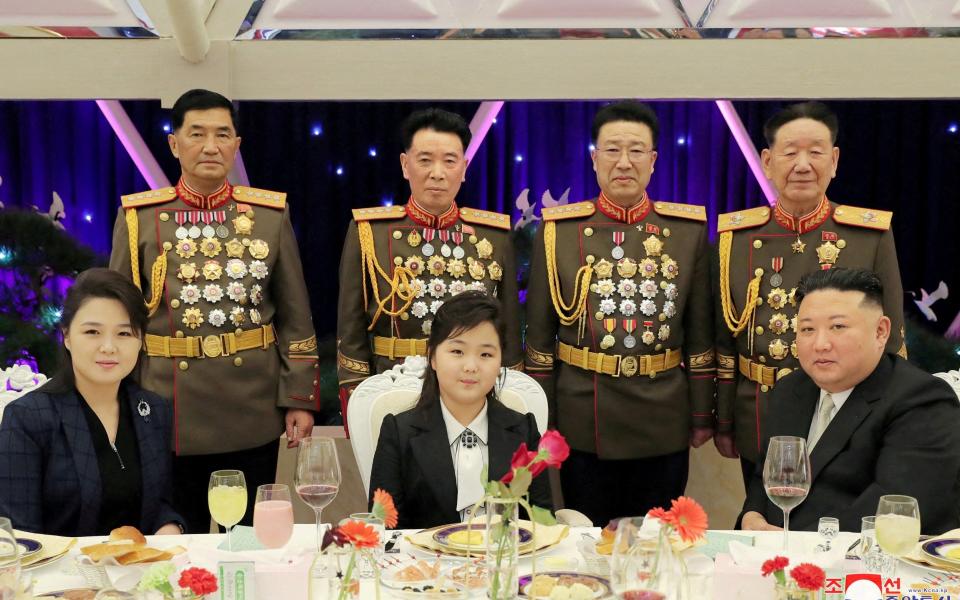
{"type": "Point", "coordinates": [791, 592]}
{"type": "Point", "coordinates": [335, 575]}
{"type": "Point", "coordinates": [503, 548]}
{"type": "Point", "coordinates": [644, 562]}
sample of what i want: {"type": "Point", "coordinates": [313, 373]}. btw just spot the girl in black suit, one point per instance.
{"type": "Point", "coordinates": [414, 460]}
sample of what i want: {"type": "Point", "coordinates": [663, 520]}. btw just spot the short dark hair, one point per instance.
{"type": "Point", "coordinates": [626, 110]}
{"type": "Point", "coordinates": [436, 119]}
{"type": "Point", "coordinates": [97, 283]}
{"type": "Point", "coordinates": [818, 111]}
{"type": "Point", "coordinates": [461, 313]}
{"type": "Point", "coordinates": [200, 99]}
{"type": "Point", "coordinates": [842, 280]}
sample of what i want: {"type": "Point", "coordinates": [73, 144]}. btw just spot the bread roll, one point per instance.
{"type": "Point", "coordinates": [128, 532]}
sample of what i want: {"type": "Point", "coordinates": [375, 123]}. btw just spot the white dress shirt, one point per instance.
{"type": "Point", "coordinates": [467, 468]}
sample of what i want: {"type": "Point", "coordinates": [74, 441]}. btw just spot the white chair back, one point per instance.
{"type": "Point", "coordinates": [397, 390]}
{"type": "Point", "coordinates": [953, 378]}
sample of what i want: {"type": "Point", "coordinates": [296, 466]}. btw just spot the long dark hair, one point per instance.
{"type": "Point", "coordinates": [461, 313]}
{"type": "Point", "coordinates": [96, 283]}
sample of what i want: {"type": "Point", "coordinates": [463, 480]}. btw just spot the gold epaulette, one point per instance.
{"type": "Point", "coordinates": [684, 211]}
{"type": "Point", "coordinates": [376, 213]}
{"type": "Point", "coordinates": [569, 211]}
{"type": "Point", "coordinates": [863, 217]}
{"type": "Point", "coordinates": [743, 219]}
{"type": "Point", "coordinates": [485, 217]}
{"type": "Point", "coordinates": [249, 195]}
{"type": "Point", "coordinates": [147, 198]}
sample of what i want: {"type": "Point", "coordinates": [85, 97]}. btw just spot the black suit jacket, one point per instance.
{"type": "Point", "coordinates": [414, 464]}
{"type": "Point", "coordinates": [897, 433]}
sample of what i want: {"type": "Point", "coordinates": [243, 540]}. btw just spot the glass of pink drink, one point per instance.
{"type": "Point", "coordinates": [273, 515]}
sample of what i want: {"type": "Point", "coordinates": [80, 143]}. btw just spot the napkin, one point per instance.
{"type": "Point", "coordinates": [754, 557]}
{"type": "Point", "coordinates": [918, 555]}
{"type": "Point", "coordinates": [53, 545]}
{"type": "Point", "coordinates": [244, 538]}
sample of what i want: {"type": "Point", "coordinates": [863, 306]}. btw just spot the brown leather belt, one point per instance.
{"type": "Point", "coordinates": [392, 347]}
{"type": "Point", "coordinates": [761, 374]}
{"type": "Point", "coordinates": [210, 346]}
{"type": "Point", "coordinates": [618, 365]}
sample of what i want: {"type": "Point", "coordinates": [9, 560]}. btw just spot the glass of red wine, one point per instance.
{"type": "Point", "coordinates": [786, 476]}
{"type": "Point", "coordinates": [317, 478]}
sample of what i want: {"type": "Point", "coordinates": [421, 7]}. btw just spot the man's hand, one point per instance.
{"type": "Point", "coordinates": [725, 445]}
{"type": "Point", "coordinates": [700, 436]}
{"type": "Point", "coordinates": [299, 426]}
{"type": "Point", "coordinates": [754, 521]}
{"type": "Point", "coordinates": [169, 529]}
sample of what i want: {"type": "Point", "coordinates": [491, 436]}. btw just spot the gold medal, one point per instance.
{"type": "Point", "coordinates": [243, 225]}
{"type": "Point", "coordinates": [234, 248]}
{"type": "Point", "coordinates": [210, 247]}
{"type": "Point", "coordinates": [603, 268]}
{"type": "Point", "coordinates": [778, 323]}
{"type": "Point", "coordinates": [456, 269]}
{"type": "Point", "coordinates": [476, 268]}
{"type": "Point", "coordinates": [663, 333]}
{"type": "Point", "coordinates": [626, 267]}
{"type": "Point", "coordinates": [413, 238]}
{"type": "Point", "coordinates": [648, 337]}
{"type": "Point", "coordinates": [212, 270]}
{"type": "Point", "coordinates": [793, 349]}
{"type": "Point", "coordinates": [669, 267]}
{"type": "Point", "coordinates": [648, 269]}
{"type": "Point", "coordinates": [259, 249]}
{"type": "Point", "coordinates": [236, 316]}
{"type": "Point", "coordinates": [827, 253]}
{"type": "Point", "coordinates": [793, 324]}
{"type": "Point", "coordinates": [653, 246]}
{"type": "Point", "coordinates": [484, 248]}
{"type": "Point", "coordinates": [414, 264]}
{"type": "Point", "coordinates": [186, 248]}
{"type": "Point", "coordinates": [192, 318]}
{"type": "Point", "coordinates": [436, 265]}
{"type": "Point", "coordinates": [777, 298]}
{"type": "Point", "coordinates": [607, 342]}
{"type": "Point", "coordinates": [496, 273]}
{"type": "Point", "coordinates": [187, 272]}
{"type": "Point", "coordinates": [777, 349]}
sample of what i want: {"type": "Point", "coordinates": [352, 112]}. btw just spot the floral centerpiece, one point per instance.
{"type": "Point", "coordinates": [806, 579]}
{"type": "Point", "coordinates": [192, 584]}
{"type": "Point", "coordinates": [502, 498]}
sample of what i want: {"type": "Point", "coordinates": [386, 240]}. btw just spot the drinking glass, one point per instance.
{"type": "Point", "coordinates": [227, 499]}
{"type": "Point", "coordinates": [898, 525]}
{"type": "Point", "coordinates": [786, 476]}
{"type": "Point", "coordinates": [829, 529]}
{"type": "Point", "coordinates": [9, 561]}
{"type": "Point", "coordinates": [317, 478]}
{"type": "Point", "coordinates": [273, 515]}
{"type": "Point", "coordinates": [634, 569]}
{"type": "Point", "coordinates": [874, 559]}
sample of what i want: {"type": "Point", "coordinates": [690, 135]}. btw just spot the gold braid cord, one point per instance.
{"type": "Point", "coordinates": [568, 313]}
{"type": "Point", "coordinates": [735, 323]}
{"type": "Point", "coordinates": [370, 268]}
{"type": "Point", "coordinates": [158, 272]}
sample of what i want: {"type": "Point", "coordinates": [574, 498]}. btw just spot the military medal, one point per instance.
{"type": "Point", "coordinates": [236, 316]}
{"type": "Point", "coordinates": [778, 350]}
{"type": "Point", "coordinates": [259, 249]}
{"type": "Point", "coordinates": [456, 268]}
{"type": "Point", "coordinates": [242, 224]}
{"type": "Point", "coordinates": [793, 349]}
{"type": "Point", "coordinates": [777, 298]}
{"type": "Point", "coordinates": [608, 340]}
{"type": "Point", "coordinates": [603, 268]}
{"type": "Point", "coordinates": [236, 269]}
{"type": "Point", "coordinates": [669, 290]}
{"type": "Point", "coordinates": [629, 325]}
{"type": "Point", "coordinates": [436, 265]}
{"type": "Point", "coordinates": [212, 293]}
{"type": "Point", "coordinates": [187, 272]}
{"type": "Point", "coordinates": [778, 324]}
{"type": "Point", "coordinates": [208, 231]}
{"type": "Point", "coordinates": [180, 217]}
{"type": "Point", "coordinates": [210, 246]}
{"type": "Point", "coordinates": [607, 306]}
{"type": "Point", "coordinates": [798, 247]}
{"type": "Point", "coordinates": [190, 294]}
{"type": "Point", "coordinates": [476, 268]}
{"type": "Point", "coordinates": [428, 249]}
{"type": "Point", "coordinates": [669, 308]}
{"type": "Point", "coordinates": [828, 252]}
{"type": "Point", "coordinates": [194, 231]}
{"type": "Point", "coordinates": [444, 236]}
{"type": "Point", "coordinates": [236, 292]}
{"type": "Point", "coordinates": [254, 316]}
{"type": "Point", "coordinates": [234, 248]}
{"type": "Point", "coordinates": [669, 268]}
{"type": "Point", "coordinates": [256, 294]}
{"type": "Point", "coordinates": [648, 268]}
{"type": "Point", "coordinates": [216, 317]}
{"type": "Point", "coordinates": [435, 306]}
{"type": "Point", "coordinates": [414, 264]}
{"type": "Point", "coordinates": [426, 327]}
{"type": "Point", "coordinates": [663, 333]}
{"type": "Point", "coordinates": [627, 288]}
{"type": "Point", "coordinates": [413, 238]}
{"type": "Point", "coordinates": [647, 337]}
{"type": "Point", "coordinates": [653, 246]}
{"type": "Point", "coordinates": [648, 307]}
{"type": "Point", "coordinates": [484, 248]}
{"type": "Point", "coordinates": [437, 288]}
{"type": "Point", "coordinates": [192, 318]}
{"type": "Point", "coordinates": [212, 270]}
{"type": "Point", "coordinates": [776, 280]}
{"type": "Point", "coordinates": [419, 309]}
{"type": "Point", "coordinates": [221, 217]}
{"type": "Point", "coordinates": [628, 307]}
{"type": "Point", "coordinates": [258, 269]}
{"type": "Point", "coordinates": [494, 270]}
{"type": "Point", "coordinates": [456, 287]}
{"type": "Point", "coordinates": [617, 251]}
{"type": "Point", "coordinates": [458, 252]}
{"type": "Point", "coordinates": [648, 288]}
{"type": "Point", "coordinates": [186, 248]}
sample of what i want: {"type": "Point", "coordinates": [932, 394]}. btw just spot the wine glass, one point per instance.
{"type": "Point", "coordinates": [786, 476]}
{"type": "Point", "coordinates": [318, 476]}
{"type": "Point", "coordinates": [898, 525]}
{"type": "Point", "coordinates": [227, 499]}
{"type": "Point", "coordinates": [633, 565]}
{"type": "Point", "coordinates": [829, 529]}
{"type": "Point", "coordinates": [273, 515]}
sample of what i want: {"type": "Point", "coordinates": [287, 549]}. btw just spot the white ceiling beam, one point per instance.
{"type": "Point", "coordinates": [504, 69]}
{"type": "Point", "coordinates": [225, 18]}
{"type": "Point", "coordinates": [159, 16]}
{"type": "Point", "coordinates": [187, 18]}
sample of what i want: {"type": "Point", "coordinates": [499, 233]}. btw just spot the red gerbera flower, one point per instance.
{"type": "Point", "coordinates": [360, 534]}
{"type": "Point", "coordinates": [808, 576]}
{"type": "Point", "coordinates": [688, 518]}
{"type": "Point", "coordinates": [659, 514]}
{"type": "Point", "coordinates": [777, 563]}
{"type": "Point", "coordinates": [384, 508]}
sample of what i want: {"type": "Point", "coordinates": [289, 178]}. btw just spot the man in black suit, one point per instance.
{"type": "Point", "coordinates": [874, 423]}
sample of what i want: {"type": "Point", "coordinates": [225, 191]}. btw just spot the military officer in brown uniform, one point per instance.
{"type": "Point", "coordinates": [230, 339]}
{"type": "Point", "coordinates": [763, 253]}
{"type": "Point", "coordinates": [400, 263]}
{"type": "Point", "coordinates": [619, 328]}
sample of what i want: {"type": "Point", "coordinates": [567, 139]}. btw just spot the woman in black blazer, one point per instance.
{"type": "Point", "coordinates": [89, 450]}
{"type": "Point", "coordinates": [414, 457]}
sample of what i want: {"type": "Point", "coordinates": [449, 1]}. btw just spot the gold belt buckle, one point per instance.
{"type": "Point", "coordinates": [212, 346]}
{"type": "Point", "coordinates": [628, 366]}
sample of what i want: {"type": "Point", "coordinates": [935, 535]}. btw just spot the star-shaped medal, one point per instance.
{"type": "Point", "coordinates": [798, 246]}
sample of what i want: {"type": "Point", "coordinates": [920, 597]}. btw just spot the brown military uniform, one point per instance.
{"type": "Point", "coordinates": [619, 325]}
{"type": "Point", "coordinates": [399, 264]}
{"type": "Point", "coordinates": [230, 338]}
{"type": "Point", "coordinates": [769, 248]}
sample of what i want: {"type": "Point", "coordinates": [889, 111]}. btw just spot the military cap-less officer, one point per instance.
{"type": "Point", "coordinates": [619, 328]}
{"type": "Point", "coordinates": [400, 263]}
{"type": "Point", "coordinates": [763, 253]}
{"type": "Point", "coordinates": [230, 339]}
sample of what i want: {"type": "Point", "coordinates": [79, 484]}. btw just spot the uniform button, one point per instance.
{"type": "Point", "coordinates": [658, 347]}
{"type": "Point", "coordinates": [397, 260]}
{"type": "Point", "coordinates": [759, 330]}
{"type": "Point", "coordinates": [397, 235]}
{"type": "Point", "coordinates": [175, 303]}
{"type": "Point", "coordinates": [759, 301]}
{"type": "Point", "coordinates": [238, 362]}
{"type": "Point", "coordinates": [757, 244]}
{"type": "Point", "coordinates": [841, 244]}
{"type": "Point", "coordinates": [473, 239]}
{"type": "Point", "coordinates": [183, 365]}
{"type": "Point", "coordinates": [662, 317]}
{"type": "Point", "coordinates": [238, 331]}
{"type": "Point", "coordinates": [666, 232]}
{"type": "Point", "coordinates": [167, 246]}
{"type": "Point", "coordinates": [588, 231]}
{"type": "Point", "coordinates": [758, 272]}
{"type": "Point", "coordinates": [245, 241]}
{"type": "Point", "coordinates": [316, 382]}
{"type": "Point", "coordinates": [164, 217]}
{"type": "Point", "coordinates": [590, 259]}
{"type": "Point", "coordinates": [599, 315]}
{"type": "Point", "coordinates": [764, 388]}
{"type": "Point", "coordinates": [311, 397]}
{"type": "Point", "coordinates": [178, 334]}
{"type": "Point", "coordinates": [404, 316]}
{"type": "Point", "coordinates": [762, 359]}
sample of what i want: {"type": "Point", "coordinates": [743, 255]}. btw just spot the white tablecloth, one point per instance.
{"type": "Point", "coordinates": [727, 582]}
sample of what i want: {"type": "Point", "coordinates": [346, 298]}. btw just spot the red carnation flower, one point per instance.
{"type": "Point", "coordinates": [199, 581]}
{"type": "Point", "coordinates": [808, 576]}
{"type": "Point", "coordinates": [777, 563]}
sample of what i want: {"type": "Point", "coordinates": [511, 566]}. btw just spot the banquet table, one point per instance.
{"type": "Point", "coordinates": [282, 574]}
